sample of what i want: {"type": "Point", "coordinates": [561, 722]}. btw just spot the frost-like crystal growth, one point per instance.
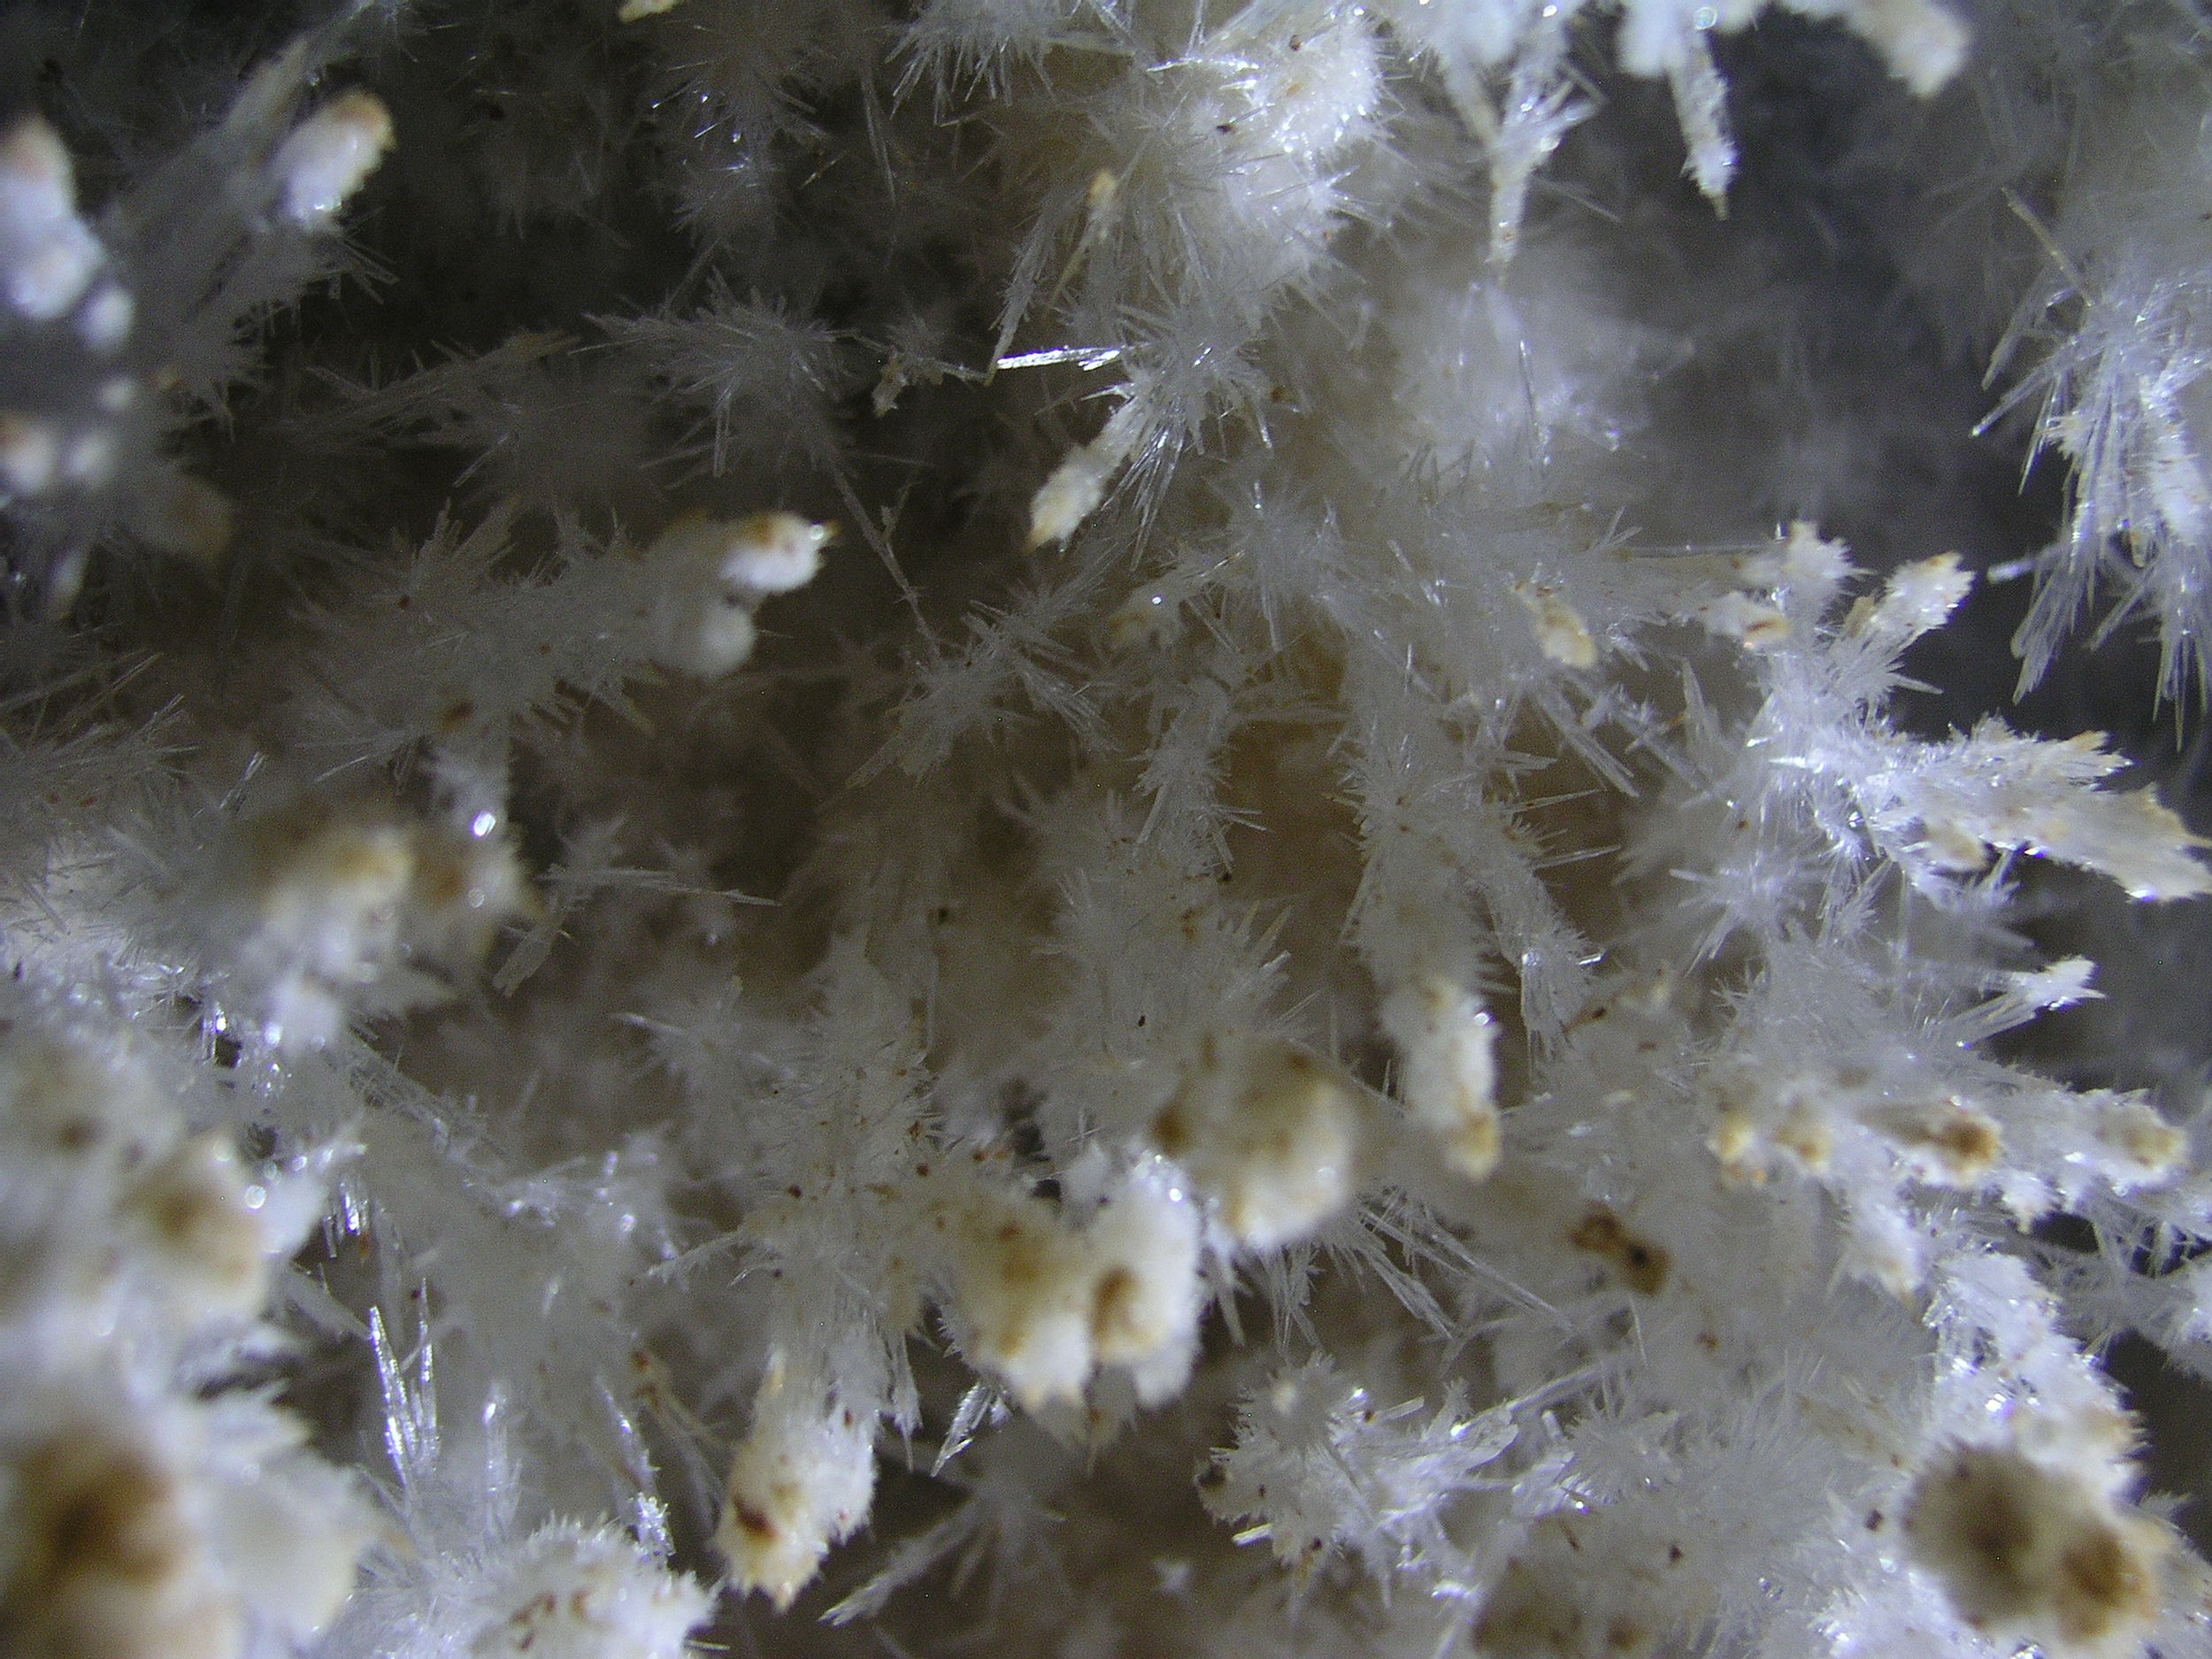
{"type": "Point", "coordinates": [1103, 827]}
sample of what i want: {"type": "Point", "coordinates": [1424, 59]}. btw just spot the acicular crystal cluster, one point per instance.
{"type": "Point", "coordinates": [1099, 827]}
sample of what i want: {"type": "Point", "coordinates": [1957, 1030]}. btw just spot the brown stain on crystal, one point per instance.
{"type": "Point", "coordinates": [1638, 1263]}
